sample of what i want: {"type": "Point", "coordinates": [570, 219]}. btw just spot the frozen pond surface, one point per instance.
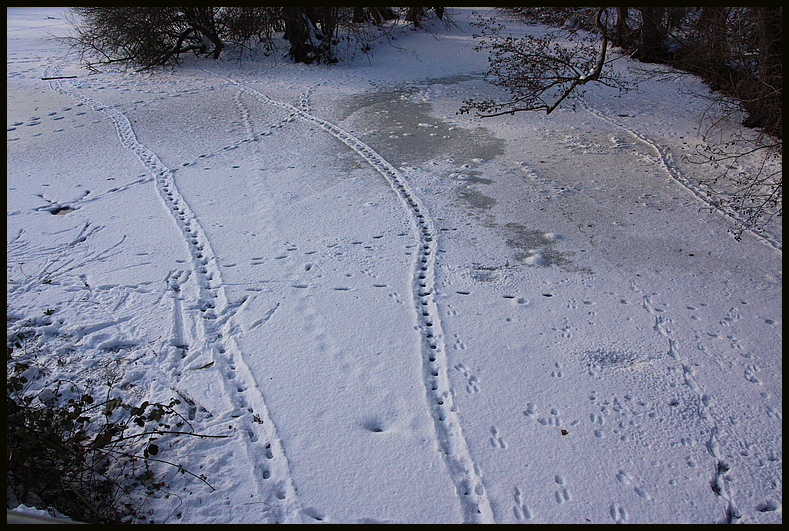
{"type": "Point", "coordinates": [396, 313]}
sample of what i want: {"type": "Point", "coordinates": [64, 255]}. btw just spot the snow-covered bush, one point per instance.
{"type": "Point", "coordinates": [85, 453]}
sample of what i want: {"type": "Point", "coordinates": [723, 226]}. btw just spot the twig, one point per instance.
{"type": "Point", "coordinates": [143, 434]}
{"type": "Point", "coordinates": [179, 467]}
{"type": "Point", "coordinates": [84, 500]}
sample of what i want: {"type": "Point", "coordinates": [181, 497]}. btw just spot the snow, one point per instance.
{"type": "Point", "coordinates": [395, 312]}
{"type": "Point", "coordinates": [22, 514]}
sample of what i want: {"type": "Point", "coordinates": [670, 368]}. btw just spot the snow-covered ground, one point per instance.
{"type": "Point", "coordinates": [395, 312]}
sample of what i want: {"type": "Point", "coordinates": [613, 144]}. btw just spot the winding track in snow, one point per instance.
{"type": "Point", "coordinates": [667, 162]}
{"type": "Point", "coordinates": [212, 317]}
{"type": "Point", "coordinates": [719, 482]}
{"type": "Point", "coordinates": [465, 474]}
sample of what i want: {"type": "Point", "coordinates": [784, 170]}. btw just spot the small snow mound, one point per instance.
{"type": "Point", "coordinates": [536, 259]}
{"type": "Point", "coordinates": [40, 515]}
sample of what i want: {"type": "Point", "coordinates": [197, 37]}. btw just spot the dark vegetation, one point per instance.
{"type": "Point", "coordinates": [156, 36]}
{"type": "Point", "coordinates": [84, 452]}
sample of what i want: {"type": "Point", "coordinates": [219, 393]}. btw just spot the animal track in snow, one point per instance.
{"type": "Point", "coordinates": [472, 385]}
{"type": "Point", "coordinates": [624, 477]}
{"type": "Point", "coordinates": [750, 374]}
{"type": "Point", "coordinates": [562, 494]}
{"type": "Point", "coordinates": [553, 420]}
{"type": "Point", "coordinates": [469, 487]}
{"type": "Point", "coordinates": [211, 311]}
{"type": "Point", "coordinates": [435, 370]}
{"type": "Point", "coordinates": [458, 345]}
{"type": "Point", "coordinates": [641, 491]}
{"type": "Point", "coordinates": [618, 514]}
{"type": "Point", "coordinates": [665, 160]}
{"type": "Point", "coordinates": [718, 484]}
{"type": "Point", "coordinates": [520, 509]}
{"type": "Point", "coordinates": [496, 440]}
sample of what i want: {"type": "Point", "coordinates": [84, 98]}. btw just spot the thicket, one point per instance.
{"type": "Point", "coordinates": [156, 36]}
{"type": "Point", "coordinates": [84, 452]}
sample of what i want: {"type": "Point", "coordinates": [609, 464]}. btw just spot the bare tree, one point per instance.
{"type": "Point", "coordinates": [310, 32]}
{"type": "Point", "coordinates": [738, 52]}
{"type": "Point", "coordinates": [753, 196]}
{"type": "Point", "coordinates": [157, 36]}
{"type": "Point", "coordinates": [748, 182]}
{"type": "Point", "coordinates": [147, 36]}
{"type": "Point", "coordinates": [248, 27]}
{"type": "Point", "coordinates": [541, 72]}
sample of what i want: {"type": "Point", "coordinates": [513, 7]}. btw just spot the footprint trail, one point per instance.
{"type": "Point", "coordinates": [719, 482]}
{"type": "Point", "coordinates": [210, 318]}
{"type": "Point", "coordinates": [667, 162]}
{"type": "Point", "coordinates": [465, 474]}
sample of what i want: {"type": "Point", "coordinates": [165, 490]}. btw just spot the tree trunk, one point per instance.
{"type": "Point", "coordinates": [675, 16]}
{"type": "Point", "coordinates": [710, 58]}
{"type": "Point", "coordinates": [652, 46]}
{"type": "Point", "coordinates": [382, 14]}
{"type": "Point", "coordinates": [297, 33]}
{"type": "Point", "coordinates": [359, 15]}
{"type": "Point", "coordinates": [327, 18]}
{"type": "Point", "coordinates": [203, 20]}
{"type": "Point", "coordinates": [712, 26]}
{"type": "Point", "coordinates": [307, 43]}
{"type": "Point", "coordinates": [766, 110]}
{"type": "Point", "coordinates": [621, 37]}
{"type": "Point", "coordinates": [414, 14]}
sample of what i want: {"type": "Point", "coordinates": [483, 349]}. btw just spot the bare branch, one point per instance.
{"type": "Point", "coordinates": [542, 72]}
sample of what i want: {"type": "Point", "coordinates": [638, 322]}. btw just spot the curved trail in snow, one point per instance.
{"type": "Point", "coordinates": [721, 467]}
{"type": "Point", "coordinates": [465, 474]}
{"type": "Point", "coordinates": [211, 319]}
{"type": "Point", "coordinates": [666, 161]}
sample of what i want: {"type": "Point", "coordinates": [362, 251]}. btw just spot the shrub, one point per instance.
{"type": "Point", "coordinates": [91, 459]}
